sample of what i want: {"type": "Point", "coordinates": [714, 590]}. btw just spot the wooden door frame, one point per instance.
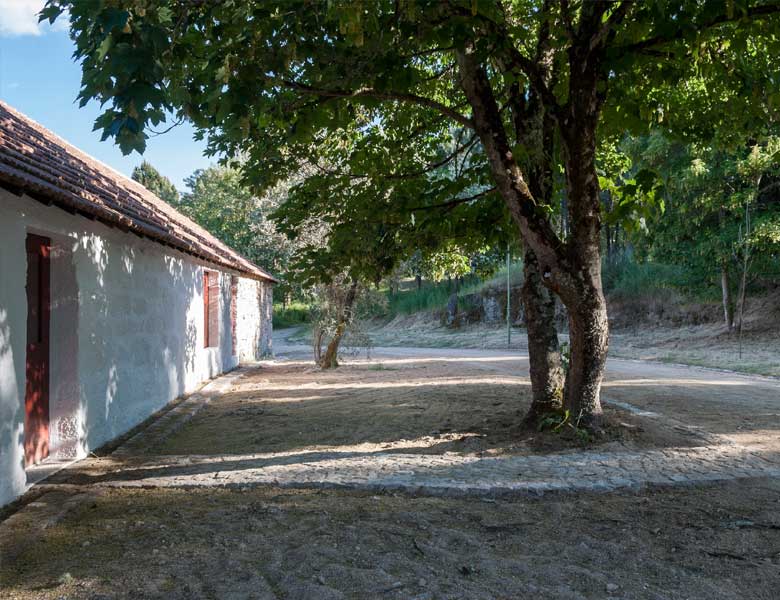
{"type": "Point", "coordinates": [37, 352]}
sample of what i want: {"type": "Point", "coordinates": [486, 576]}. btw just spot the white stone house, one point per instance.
{"type": "Point", "coordinates": [112, 303]}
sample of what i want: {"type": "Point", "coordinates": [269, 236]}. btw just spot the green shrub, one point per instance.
{"type": "Point", "coordinates": [428, 298]}
{"type": "Point", "coordinates": [434, 296]}
{"type": "Point", "coordinates": [628, 279]}
{"type": "Point", "coordinates": [296, 313]}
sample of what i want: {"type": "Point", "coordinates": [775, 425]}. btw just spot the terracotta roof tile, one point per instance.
{"type": "Point", "coordinates": [37, 162]}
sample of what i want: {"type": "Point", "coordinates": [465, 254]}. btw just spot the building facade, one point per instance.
{"type": "Point", "coordinates": [112, 304]}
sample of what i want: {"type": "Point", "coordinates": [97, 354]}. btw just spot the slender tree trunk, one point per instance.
{"type": "Point", "coordinates": [741, 300]}
{"type": "Point", "coordinates": [418, 278]}
{"type": "Point", "coordinates": [728, 303]}
{"type": "Point", "coordinates": [608, 229]}
{"type": "Point", "coordinates": [543, 351]}
{"type": "Point", "coordinates": [318, 333]}
{"type": "Point", "coordinates": [329, 360]}
{"type": "Point", "coordinates": [564, 232]}
{"type": "Point", "coordinates": [745, 268]}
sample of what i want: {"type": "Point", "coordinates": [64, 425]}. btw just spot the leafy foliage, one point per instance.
{"type": "Point", "coordinates": [564, 423]}
{"type": "Point", "coordinates": [708, 190]}
{"type": "Point", "coordinates": [370, 101]}
{"type": "Point", "coordinates": [155, 182]}
{"type": "Point", "coordinates": [220, 202]}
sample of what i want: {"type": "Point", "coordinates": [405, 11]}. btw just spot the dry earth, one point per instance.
{"type": "Point", "coordinates": [718, 541]}
{"type": "Point", "coordinates": [419, 405]}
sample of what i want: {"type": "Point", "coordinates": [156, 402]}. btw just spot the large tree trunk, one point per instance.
{"type": "Point", "coordinates": [588, 337]}
{"type": "Point", "coordinates": [572, 270]}
{"type": "Point", "coordinates": [534, 128]}
{"type": "Point", "coordinates": [544, 356]}
{"type": "Point", "coordinates": [728, 303]}
{"type": "Point", "coordinates": [581, 289]}
{"type": "Point", "coordinates": [330, 360]}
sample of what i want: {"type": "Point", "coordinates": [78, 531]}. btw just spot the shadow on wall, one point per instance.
{"type": "Point", "coordinates": [123, 338]}
{"type": "Point", "coordinates": [11, 421]}
{"type": "Point", "coordinates": [179, 356]}
{"type": "Point", "coordinates": [66, 416]}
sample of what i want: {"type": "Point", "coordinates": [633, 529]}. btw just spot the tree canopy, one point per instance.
{"type": "Point", "coordinates": [452, 103]}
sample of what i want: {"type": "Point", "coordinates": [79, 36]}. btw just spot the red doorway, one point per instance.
{"type": "Point", "coordinates": [36, 398]}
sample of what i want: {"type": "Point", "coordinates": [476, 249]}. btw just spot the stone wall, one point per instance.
{"type": "Point", "coordinates": [487, 306]}
{"type": "Point", "coordinates": [254, 319]}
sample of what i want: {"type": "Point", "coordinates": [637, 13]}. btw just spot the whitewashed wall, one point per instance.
{"type": "Point", "coordinates": [126, 330]}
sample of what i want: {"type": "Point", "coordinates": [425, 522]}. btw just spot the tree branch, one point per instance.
{"type": "Point", "coordinates": [568, 24]}
{"type": "Point", "coordinates": [435, 165]}
{"type": "Point", "coordinates": [459, 149]}
{"type": "Point", "coordinates": [614, 19]}
{"type": "Point", "coordinates": [755, 12]}
{"type": "Point", "coordinates": [522, 205]}
{"type": "Point", "coordinates": [516, 59]}
{"type": "Point", "coordinates": [536, 77]}
{"type": "Point", "coordinates": [378, 95]}
{"type": "Point", "coordinates": [453, 203]}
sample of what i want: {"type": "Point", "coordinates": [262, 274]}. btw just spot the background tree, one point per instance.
{"type": "Point", "coordinates": [219, 201]}
{"type": "Point", "coordinates": [711, 192]}
{"type": "Point", "coordinates": [155, 182]}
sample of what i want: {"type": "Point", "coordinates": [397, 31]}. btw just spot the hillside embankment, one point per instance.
{"type": "Point", "coordinates": [660, 327]}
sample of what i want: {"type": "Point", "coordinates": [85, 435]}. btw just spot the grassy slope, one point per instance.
{"type": "Point", "coordinates": [650, 320]}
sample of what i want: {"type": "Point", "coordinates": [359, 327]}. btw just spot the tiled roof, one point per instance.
{"type": "Point", "coordinates": [36, 162]}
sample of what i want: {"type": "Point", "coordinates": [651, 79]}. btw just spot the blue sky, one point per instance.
{"type": "Point", "coordinates": [39, 78]}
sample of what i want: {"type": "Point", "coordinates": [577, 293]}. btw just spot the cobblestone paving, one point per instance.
{"type": "Point", "coordinates": [452, 474]}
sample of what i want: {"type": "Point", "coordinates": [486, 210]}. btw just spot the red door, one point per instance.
{"type": "Point", "coordinates": [36, 399]}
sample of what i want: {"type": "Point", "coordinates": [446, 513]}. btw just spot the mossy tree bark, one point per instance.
{"type": "Point", "coordinates": [546, 370]}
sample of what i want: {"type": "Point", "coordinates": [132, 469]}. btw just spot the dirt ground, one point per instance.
{"type": "Point", "coordinates": [710, 542]}
{"type": "Point", "coordinates": [706, 543]}
{"type": "Point", "coordinates": [419, 405]}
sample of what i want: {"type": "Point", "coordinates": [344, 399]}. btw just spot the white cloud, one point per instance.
{"type": "Point", "coordinates": [20, 17]}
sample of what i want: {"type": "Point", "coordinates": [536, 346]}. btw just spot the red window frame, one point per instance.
{"type": "Point", "coordinates": [205, 309]}
{"type": "Point", "coordinates": [234, 313]}
{"type": "Point", "coordinates": [210, 309]}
